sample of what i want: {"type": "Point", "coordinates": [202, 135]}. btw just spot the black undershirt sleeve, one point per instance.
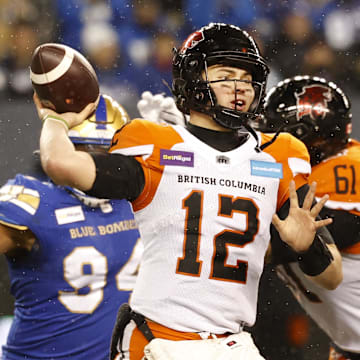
{"type": "Point", "coordinates": [281, 252]}
{"type": "Point", "coordinates": [117, 177]}
{"type": "Point", "coordinates": [345, 227]}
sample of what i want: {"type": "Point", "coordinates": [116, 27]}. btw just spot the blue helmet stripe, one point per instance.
{"type": "Point", "coordinates": [91, 141]}
{"type": "Point", "coordinates": [100, 114]}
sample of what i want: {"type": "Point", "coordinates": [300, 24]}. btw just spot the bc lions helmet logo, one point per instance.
{"type": "Point", "coordinates": [192, 41]}
{"type": "Point", "coordinates": [313, 101]}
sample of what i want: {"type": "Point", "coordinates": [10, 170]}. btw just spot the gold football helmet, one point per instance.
{"type": "Point", "coordinates": [101, 126]}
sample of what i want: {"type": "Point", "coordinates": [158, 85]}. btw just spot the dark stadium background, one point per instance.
{"type": "Point", "coordinates": [282, 330]}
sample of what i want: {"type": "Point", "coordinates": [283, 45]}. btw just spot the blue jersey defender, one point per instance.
{"type": "Point", "coordinates": [82, 266]}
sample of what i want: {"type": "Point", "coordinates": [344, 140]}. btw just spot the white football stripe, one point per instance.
{"type": "Point", "coordinates": [299, 166]}
{"type": "Point", "coordinates": [341, 205]}
{"type": "Point", "coordinates": [57, 72]}
{"type": "Point", "coordinates": [143, 150]}
{"type": "Point", "coordinates": [28, 208]}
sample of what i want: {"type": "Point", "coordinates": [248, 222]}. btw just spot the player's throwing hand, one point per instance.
{"type": "Point", "coordinates": [70, 119]}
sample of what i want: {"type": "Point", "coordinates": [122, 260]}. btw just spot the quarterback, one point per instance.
{"type": "Point", "coordinates": [204, 197]}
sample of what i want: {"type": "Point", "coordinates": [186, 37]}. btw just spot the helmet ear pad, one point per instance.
{"type": "Point", "coordinates": [198, 91]}
{"type": "Point", "coordinates": [193, 63]}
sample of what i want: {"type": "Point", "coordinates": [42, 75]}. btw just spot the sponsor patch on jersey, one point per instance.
{"type": "Point", "coordinates": [176, 158]}
{"type": "Point", "coordinates": [69, 215]}
{"type": "Point", "coordinates": [266, 169]}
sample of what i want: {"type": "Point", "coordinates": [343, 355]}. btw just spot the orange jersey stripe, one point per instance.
{"type": "Point", "coordinates": [138, 340]}
{"type": "Point", "coordinates": [292, 153]}
{"type": "Point", "coordinates": [353, 249]}
{"type": "Point", "coordinates": [355, 212]}
{"type": "Point", "coordinates": [339, 177]}
{"type": "Point", "coordinates": [141, 133]}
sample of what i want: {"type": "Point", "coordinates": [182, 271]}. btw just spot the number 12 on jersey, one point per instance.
{"type": "Point", "coordinates": [190, 264]}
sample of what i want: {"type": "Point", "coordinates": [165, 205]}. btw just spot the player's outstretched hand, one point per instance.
{"type": "Point", "coordinates": [72, 119]}
{"type": "Point", "coordinates": [299, 228]}
{"type": "Point", "coordinates": [160, 109]}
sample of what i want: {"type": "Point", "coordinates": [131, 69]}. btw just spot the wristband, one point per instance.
{"type": "Point", "coordinates": [58, 119]}
{"type": "Point", "coordinates": [316, 259]}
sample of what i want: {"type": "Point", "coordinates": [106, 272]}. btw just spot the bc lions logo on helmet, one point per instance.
{"type": "Point", "coordinates": [313, 101]}
{"type": "Point", "coordinates": [192, 40]}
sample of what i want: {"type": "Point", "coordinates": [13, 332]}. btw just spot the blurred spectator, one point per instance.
{"type": "Point", "coordinates": [321, 60]}
{"type": "Point", "coordinates": [172, 5]}
{"type": "Point", "coordinates": [303, 48]}
{"type": "Point", "coordinates": [102, 45]}
{"type": "Point", "coordinates": [148, 38]}
{"type": "Point", "coordinates": [73, 15]}
{"type": "Point", "coordinates": [342, 34]}
{"type": "Point", "coordinates": [37, 12]}
{"type": "Point", "coordinates": [201, 12]}
{"type": "Point", "coordinates": [69, 22]}
{"type": "Point", "coordinates": [4, 51]}
{"type": "Point", "coordinates": [23, 25]}
{"type": "Point", "coordinates": [341, 28]}
{"type": "Point", "coordinates": [139, 31]}
{"type": "Point", "coordinates": [158, 73]}
{"type": "Point", "coordinates": [287, 51]}
{"type": "Point", "coordinates": [95, 11]}
{"type": "Point", "coordinates": [119, 37]}
{"type": "Point", "coordinates": [24, 40]}
{"type": "Point", "coordinates": [100, 42]}
{"type": "Point", "coordinates": [4, 39]}
{"type": "Point", "coordinates": [146, 13]}
{"type": "Point", "coordinates": [315, 10]}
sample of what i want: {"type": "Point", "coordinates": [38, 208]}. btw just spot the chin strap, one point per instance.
{"type": "Point", "coordinates": [216, 115]}
{"type": "Point", "coordinates": [258, 148]}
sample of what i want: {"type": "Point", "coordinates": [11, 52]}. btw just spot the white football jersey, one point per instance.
{"type": "Point", "coordinates": [204, 217]}
{"type": "Point", "coordinates": [335, 311]}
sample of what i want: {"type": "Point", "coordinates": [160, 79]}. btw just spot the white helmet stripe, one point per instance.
{"type": "Point", "coordinates": [57, 72]}
{"type": "Point", "coordinates": [341, 205]}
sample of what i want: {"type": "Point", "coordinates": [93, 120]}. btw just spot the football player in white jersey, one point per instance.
{"type": "Point", "coordinates": [319, 113]}
{"type": "Point", "coordinates": [204, 197]}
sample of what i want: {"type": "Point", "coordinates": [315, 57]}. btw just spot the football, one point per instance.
{"type": "Point", "coordinates": [63, 78]}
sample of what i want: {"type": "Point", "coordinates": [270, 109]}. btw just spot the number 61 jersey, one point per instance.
{"type": "Point", "coordinates": [336, 311]}
{"type": "Point", "coordinates": [204, 218]}
{"type": "Point", "coordinates": [81, 268]}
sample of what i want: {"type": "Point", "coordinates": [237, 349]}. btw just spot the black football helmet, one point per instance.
{"type": "Point", "coordinates": [217, 44]}
{"type": "Point", "coordinates": [312, 109]}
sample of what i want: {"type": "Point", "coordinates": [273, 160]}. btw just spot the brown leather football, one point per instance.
{"type": "Point", "coordinates": [63, 78]}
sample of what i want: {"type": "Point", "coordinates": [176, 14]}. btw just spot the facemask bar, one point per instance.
{"type": "Point", "coordinates": [238, 84]}
{"type": "Point", "coordinates": [257, 88]}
